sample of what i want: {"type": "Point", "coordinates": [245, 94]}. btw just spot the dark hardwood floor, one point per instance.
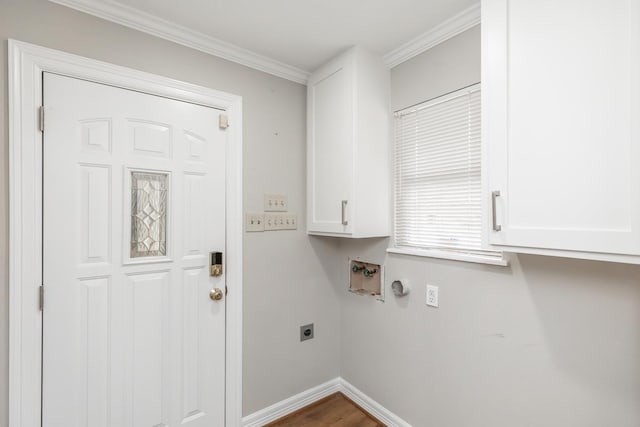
{"type": "Point", "coordinates": [336, 410]}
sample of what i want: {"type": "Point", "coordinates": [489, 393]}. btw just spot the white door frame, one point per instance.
{"type": "Point", "coordinates": [26, 64]}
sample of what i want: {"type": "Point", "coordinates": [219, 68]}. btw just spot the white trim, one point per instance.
{"type": "Point", "coordinates": [594, 256]}
{"type": "Point", "coordinates": [464, 20]}
{"type": "Point", "coordinates": [26, 64]}
{"type": "Point", "coordinates": [300, 400]}
{"type": "Point", "coordinates": [292, 404]}
{"type": "Point", "coordinates": [142, 21]}
{"type": "Point", "coordinates": [500, 259]}
{"type": "Point", "coordinates": [234, 265]}
{"type": "Point", "coordinates": [371, 406]}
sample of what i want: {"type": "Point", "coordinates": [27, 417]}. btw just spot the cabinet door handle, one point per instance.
{"type": "Point", "coordinates": [344, 213]}
{"type": "Point", "coordinates": [494, 196]}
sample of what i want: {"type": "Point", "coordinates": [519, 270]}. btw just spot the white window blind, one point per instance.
{"type": "Point", "coordinates": [437, 174]}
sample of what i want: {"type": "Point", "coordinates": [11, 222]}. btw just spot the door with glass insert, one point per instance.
{"type": "Point", "coordinates": [134, 201]}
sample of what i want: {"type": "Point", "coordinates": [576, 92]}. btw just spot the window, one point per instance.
{"type": "Point", "coordinates": [438, 203]}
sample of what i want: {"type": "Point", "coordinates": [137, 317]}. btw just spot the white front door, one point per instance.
{"type": "Point", "coordinates": [134, 201]}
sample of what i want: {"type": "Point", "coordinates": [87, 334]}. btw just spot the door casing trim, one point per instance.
{"type": "Point", "coordinates": [27, 62]}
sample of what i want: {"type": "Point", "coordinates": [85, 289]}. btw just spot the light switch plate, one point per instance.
{"type": "Point", "coordinates": [275, 203]}
{"type": "Point", "coordinates": [290, 221]}
{"type": "Point", "coordinates": [276, 221]}
{"type": "Point", "coordinates": [254, 222]}
{"type": "Point", "coordinates": [270, 221]}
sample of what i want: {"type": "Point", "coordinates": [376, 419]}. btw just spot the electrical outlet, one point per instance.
{"type": "Point", "coordinates": [432, 296]}
{"type": "Point", "coordinates": [275, 203]}
{"type": "Point", "coordinates": [306, 332]}
{"type": "Point", "coordinates": [254, 222]}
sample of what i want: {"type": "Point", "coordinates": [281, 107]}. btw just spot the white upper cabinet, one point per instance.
{"type": "Point", "coordinates": [348, 137]}
{"type": "Point", "coordinates": [561, 126]}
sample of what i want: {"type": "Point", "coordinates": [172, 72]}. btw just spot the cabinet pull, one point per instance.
{"type": "Point", "coordinates": [494, 195]}
{"type": "Point", "coordinates": [344, 213]}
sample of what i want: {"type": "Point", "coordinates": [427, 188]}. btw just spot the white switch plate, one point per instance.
{"type": "Point", "coordinates": [270, 221]}
{"type": "Point", "coordinates": [254, 222]}
{"type": "Point", "coordinates": [291, 221]}
{"type": "Point", "coordinates": [275, 221]}
{"type": "Point", "coordinates": [275, 203]}
{"type": "Point", "coordinates": [432, 296]}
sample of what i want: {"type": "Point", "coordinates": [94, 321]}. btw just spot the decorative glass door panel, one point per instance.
{"type": "Point", "coordinates": [148, 214]}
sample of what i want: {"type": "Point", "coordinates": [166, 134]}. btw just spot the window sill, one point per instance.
{"type": "Point", "coordinates": [502, 261]}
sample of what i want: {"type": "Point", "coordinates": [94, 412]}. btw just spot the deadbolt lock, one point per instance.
{"type": "Point", "coordinates": [216, 264]}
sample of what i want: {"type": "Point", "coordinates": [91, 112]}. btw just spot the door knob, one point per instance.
{"type": "Point", "coordinates": [215, 294]}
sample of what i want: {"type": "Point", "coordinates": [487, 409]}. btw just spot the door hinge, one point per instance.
{"type": "Point", "coordinates": [41, 118]}
{"type": "Point", "coordinates": [41, 302]}
{"type": "Point", "coordinates": [223, 121]}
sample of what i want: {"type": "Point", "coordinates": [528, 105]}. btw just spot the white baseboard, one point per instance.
{"type": "Point", "coordinates": [371, 406]}
{"type": "Point", "coordinates": [292, 404]}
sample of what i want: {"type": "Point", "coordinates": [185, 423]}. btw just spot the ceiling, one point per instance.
{"type": "Point", "coordinates": [301, 34]}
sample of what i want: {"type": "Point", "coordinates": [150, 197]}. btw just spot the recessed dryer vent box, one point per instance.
{"type": "Point", "coordinates": [366, 278]}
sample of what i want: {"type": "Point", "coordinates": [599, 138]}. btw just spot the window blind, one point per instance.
{"type": "Point", "coordinates": [438, 176]}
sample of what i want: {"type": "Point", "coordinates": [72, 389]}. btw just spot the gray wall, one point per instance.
{"type": "Point", "coordinates": [442, 69]}
{"type": "Point", "coordinates": [545, 342]}
{"type": "Point", "coordinates": [285, 282]}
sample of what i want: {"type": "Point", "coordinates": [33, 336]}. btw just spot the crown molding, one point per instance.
{"type": "Point", "coordinates": [147, 23]}
{"type": "Point", "coordinates": [464, 20]}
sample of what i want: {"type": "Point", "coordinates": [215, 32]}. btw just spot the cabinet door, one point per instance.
{"type": "Point", "coordinates": [561, 89]}
{"type": "Point", "coordinates": [330, 148]}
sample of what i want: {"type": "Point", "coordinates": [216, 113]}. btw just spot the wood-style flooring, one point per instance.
{"type": "Point", "coordinates": [336, 410]}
